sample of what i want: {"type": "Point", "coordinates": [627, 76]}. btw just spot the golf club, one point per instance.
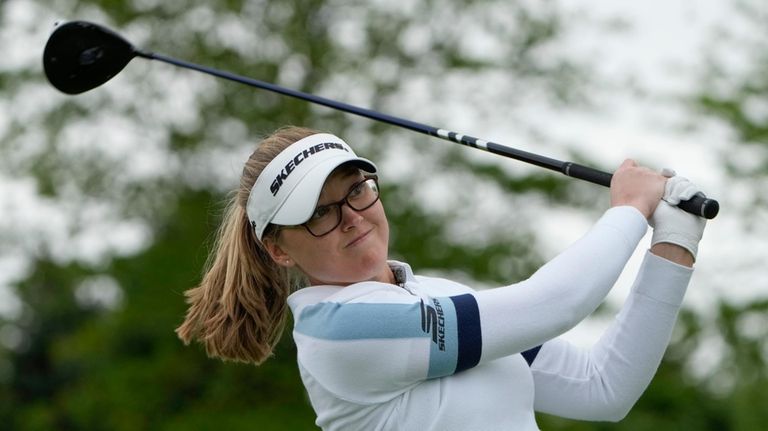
{"type": "Point", "coordinates": [80, 56]}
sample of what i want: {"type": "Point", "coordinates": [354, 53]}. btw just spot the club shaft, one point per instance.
{"type": "Point", "coordinates": [698, 205]}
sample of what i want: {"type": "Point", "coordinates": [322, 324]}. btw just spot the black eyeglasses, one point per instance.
{"type": "Point", "coordinates": [326, 218]}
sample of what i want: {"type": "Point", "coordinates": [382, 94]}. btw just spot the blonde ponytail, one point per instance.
{"type": "Point", "coordinates": [238, 311]}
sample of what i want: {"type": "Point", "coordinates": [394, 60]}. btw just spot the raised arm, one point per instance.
{"type": "Point", "coordinates": [564, 291]}
{"type": "Point", "coordinates": [605, 381]}
{"type": "Point", "coordinates": [571, 286]}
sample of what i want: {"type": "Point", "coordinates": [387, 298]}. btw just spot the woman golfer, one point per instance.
{"type": "Point", "coordinates": [380, 348]}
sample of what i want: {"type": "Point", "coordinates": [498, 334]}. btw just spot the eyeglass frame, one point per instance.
{"type": "Point", "coordinates": [339, 204]}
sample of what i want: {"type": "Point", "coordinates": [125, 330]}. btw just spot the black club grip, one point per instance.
{"type": "Point", "coordinates": [701, 206]}
{"type": "Point", "coordinates": [698, 205]}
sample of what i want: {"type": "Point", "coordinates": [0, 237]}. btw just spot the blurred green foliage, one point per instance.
{"type": "Point", "coordinates": [79, 364]}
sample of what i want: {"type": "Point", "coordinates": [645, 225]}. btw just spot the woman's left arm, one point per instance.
{"type": "Point", "coordinates": [604, 382]}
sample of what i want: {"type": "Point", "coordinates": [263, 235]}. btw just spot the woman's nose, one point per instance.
{"type": "Point", "coordinates": [349, 217]}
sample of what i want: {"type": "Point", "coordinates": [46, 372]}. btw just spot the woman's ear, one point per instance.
{"type": "Point", "coordinates": [278, 255]}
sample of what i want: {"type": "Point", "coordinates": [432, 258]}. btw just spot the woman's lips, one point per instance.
{"type": "Point", "coordinates": [359, 239]}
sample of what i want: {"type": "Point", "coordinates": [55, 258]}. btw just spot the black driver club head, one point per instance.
{"type": "Point", "coordinates": [80, 55]}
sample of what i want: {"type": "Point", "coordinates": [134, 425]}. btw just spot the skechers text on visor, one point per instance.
{"type": "Point", "coordinates": [287, 190]}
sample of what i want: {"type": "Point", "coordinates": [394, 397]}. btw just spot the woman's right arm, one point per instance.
{"type": "Point", "coordinates": [571, 286]}
{"type": "Point", "coordinates": [564, 291]}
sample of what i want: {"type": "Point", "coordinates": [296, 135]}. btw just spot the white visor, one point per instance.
{"type": "Point", "coordinates": [287, 191]}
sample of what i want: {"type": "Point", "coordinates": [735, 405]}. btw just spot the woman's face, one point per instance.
{"type": "Point", "coordinates": [354, 251]}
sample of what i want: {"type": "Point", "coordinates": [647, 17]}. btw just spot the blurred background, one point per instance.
{"type": "Point", "coordinates": [109, 200]}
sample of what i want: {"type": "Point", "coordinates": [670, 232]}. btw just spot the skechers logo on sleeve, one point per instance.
{"type": "Point", "coordinates": [433, 320]}
{"type": "Point", "coordinates": [298, 159]}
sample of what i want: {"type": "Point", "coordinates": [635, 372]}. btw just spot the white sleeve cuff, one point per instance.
{"type": "Point", "coordinates": [662, 280]}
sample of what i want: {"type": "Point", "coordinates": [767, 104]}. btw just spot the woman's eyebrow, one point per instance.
{"type": "Point", "coordinates": [342, 176]}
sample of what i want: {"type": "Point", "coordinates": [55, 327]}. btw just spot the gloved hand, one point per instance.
{"type": "Point", "coordinates": [673, 225]}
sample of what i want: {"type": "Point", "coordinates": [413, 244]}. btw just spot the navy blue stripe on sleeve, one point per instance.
{"type": "Point", "coordinates": [530, 354]}
{"type": "Point", "coordinates": [469, 332]}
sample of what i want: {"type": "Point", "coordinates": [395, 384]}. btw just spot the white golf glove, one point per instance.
{"type": "Point", "coordinates": [673, 225]}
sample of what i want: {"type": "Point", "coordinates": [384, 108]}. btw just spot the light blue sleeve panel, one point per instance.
{"type": "Point", "coordinates": [345, 321]}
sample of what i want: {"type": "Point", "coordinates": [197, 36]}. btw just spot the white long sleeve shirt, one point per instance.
{"type": "Point", "coordinates": [432, 354]}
